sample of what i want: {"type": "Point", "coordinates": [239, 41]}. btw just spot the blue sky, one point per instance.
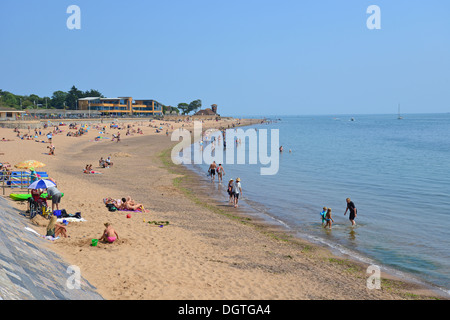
{"type": "Point", "coordinates": [250, 57]}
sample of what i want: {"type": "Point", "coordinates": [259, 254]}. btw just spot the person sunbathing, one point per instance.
{"type": "Point", "coordinates": [130, 204]}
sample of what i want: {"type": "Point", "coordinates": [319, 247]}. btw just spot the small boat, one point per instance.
{"type": "Point", "coordinates": [399, 117]}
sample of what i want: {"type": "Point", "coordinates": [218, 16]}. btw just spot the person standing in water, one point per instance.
{"type": "Point", "coordinates": [230, 191]}
{"type": "Point", "coordinates": [352, 211]}
{"type": "Point", "coordinates": [212, 170]}
{"type": "Point", "coordinates": [220, 172]}
{"type": "Point", "coordinates": [323, 214]}
{"type": "Point", "coordinates": [328, 219]}
{"type": "Point", "coordinates": [237, 191]}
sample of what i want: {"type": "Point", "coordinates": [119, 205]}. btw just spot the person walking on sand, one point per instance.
{"type": "Point", "coordinates": [237, 191]}
{"type": "Point", "coordinates": [212, 170]}
{"type": "Point", "coordinates": [109, 234]}
{"type": "Point", "coordinates": [220, 172]}
{"type": "Point", "coordinates": [328, 218]}
{"type": "Point", "coordinates": [352, 211]}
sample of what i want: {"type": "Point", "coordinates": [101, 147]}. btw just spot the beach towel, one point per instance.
{"type": "Point", "coordinates": [71, 220]}
{"type": "Point", "coordinates": [137, 210]}
{"type": "Point", "coordinates": [41, 235]}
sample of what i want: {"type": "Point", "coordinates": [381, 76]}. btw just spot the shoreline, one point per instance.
{"type": "Point", "coordinates": [190, 184]}
{"type": "Point", "coordinates": [201, 254]}
{"type": "Point", "coordinates": [284, 232]}
{"type": "Point", "coordinates": [390, 272]}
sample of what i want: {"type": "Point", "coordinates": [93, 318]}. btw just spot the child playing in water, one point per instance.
{"type": "Point", "coordinates": [323, 214]}
{"type": "Point", "coordinates": [109, 234]}
{"type": "Point", "coordinates": [328, 219]}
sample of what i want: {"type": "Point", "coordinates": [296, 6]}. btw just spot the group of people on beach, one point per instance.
{"type": "Point", "coordinates": [126, 204]}
{"type": "Point", "coordinates": [327, 220]}
{"type": "Point", "coordinates": [234, 190]}
{"type": "Point", "coordinates": [55, 228]}
{"type": "Point", "coordinates": [105, 163]}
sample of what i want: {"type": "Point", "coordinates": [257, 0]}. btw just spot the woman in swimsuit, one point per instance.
{"type": "Point", "coordinates": [109, 234]}
{"type": "Point", "coordinates": [328, 219]}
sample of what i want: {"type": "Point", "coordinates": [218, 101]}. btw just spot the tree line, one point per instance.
{"type": "Point", "coordinates": [68, 100]}
{"type": "Point", "coordinates": [59, 100]}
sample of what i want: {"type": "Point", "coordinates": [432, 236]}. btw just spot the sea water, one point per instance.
{"type": "Point", "coordinates": [396, 171]}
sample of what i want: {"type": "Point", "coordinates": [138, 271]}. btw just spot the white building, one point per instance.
{"type": "Point", "coordinates": [10, 114]}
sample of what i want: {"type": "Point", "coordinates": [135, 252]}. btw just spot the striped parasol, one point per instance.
{"type": "Point", "coordinates": [29, 164]}
{"type": "Point", "coordinates": [42, 184]}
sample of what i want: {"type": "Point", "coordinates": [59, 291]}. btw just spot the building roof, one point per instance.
{"type": "Point", "coordinates": [60, 111]}
{"type": "Point", "coordinates": [8, 109]}
{"type": "Point", "coordinates": [89, 98]}
{"type": "Point", "coordinates": [205, 112]}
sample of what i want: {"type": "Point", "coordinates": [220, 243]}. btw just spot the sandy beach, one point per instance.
{"type": "Point", "coordinates": [207, 250]}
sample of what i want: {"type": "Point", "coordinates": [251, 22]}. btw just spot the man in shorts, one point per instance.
{"type": "Point", "coordinates": [54, 194]}
{"type": "Point", "coordinates": [212, 170]}
{"type": "Point", "coordinates": [352, 211]}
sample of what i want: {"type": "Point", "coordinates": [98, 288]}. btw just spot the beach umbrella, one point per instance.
{"type": "Point", "coordinates": [42, 184]}
{"type": "Point", "coordinates": [29, 164]}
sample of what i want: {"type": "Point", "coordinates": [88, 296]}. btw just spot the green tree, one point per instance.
{"type": "Point", "coordinates": [183, 107]}
{"type": "Point", "coordinates": [58, 99]}
{"type": "Point", "coordinates": [92, 93]}
{"type": "Point", "coordinates": [9, 99]}
{"type": "Point", "coordinates": [194, 105]}
{"type": "Point", "coordinates": [72, 98]}
{"type": "Point", "coordinates": [27, 104]}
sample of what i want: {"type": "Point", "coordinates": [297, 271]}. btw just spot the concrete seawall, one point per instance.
{"type": "Point", "coordinates": [31, 271]}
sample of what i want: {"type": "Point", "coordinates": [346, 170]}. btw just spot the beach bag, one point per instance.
{"type": "Point", "coordinates": [57, 213]}
{"type": "Point", "coordinates": [111, 207]}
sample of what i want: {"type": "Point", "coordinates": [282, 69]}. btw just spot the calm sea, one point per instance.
{"type": "Point", "coordinates": [397, 172]}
